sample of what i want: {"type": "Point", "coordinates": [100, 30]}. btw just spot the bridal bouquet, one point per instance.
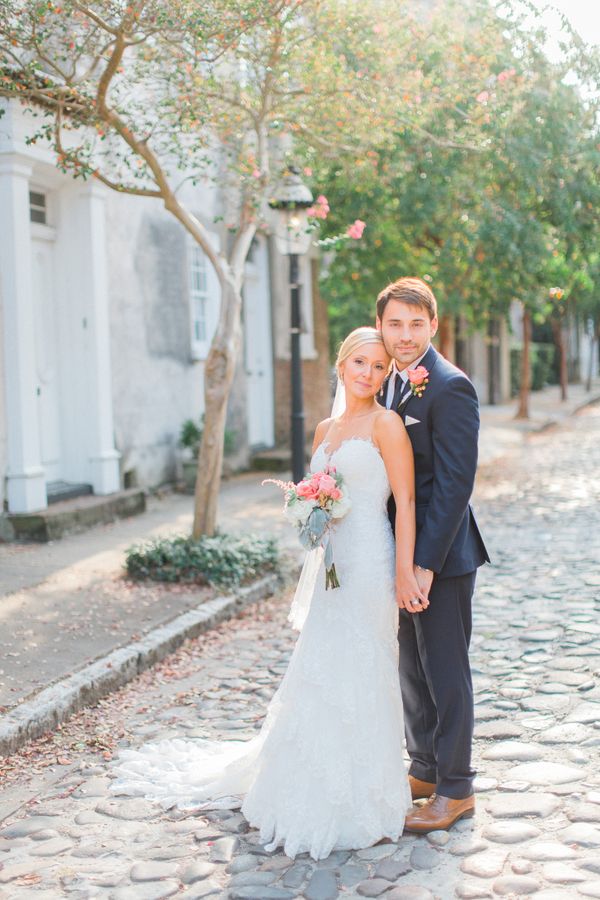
{"type": "Point", "coordinates": [312, 505]}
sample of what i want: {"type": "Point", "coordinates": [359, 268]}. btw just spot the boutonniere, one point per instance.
{"type": "Point", "coordinates": [419, 379]}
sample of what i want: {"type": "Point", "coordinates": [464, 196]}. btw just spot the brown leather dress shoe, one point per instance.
{"type": "Point", "coordinates": [420, 790]}
{"type": "Point", "coordinates": [438, 814]}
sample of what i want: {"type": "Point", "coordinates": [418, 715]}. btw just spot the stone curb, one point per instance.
{"type": "Point", "coordinates": [58, 702]}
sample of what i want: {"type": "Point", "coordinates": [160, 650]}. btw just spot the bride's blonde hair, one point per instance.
{"type": "Point", "coordinates": [363, 335]}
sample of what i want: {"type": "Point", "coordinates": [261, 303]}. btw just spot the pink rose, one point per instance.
{"type": "Point", "coordinates": [356, 229]}
{"type": "Point", "coordinates": [417, 376]}
{"type": "Point", "coordinates": [483, 97]}
{"type": "Point", "coordinates": [326, 484]}
{"type": "Point", "coordinates": [306, 490]}
{"type": "Point", "coordinates": [335, 494]}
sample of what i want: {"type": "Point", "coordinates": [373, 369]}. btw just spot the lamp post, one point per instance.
{"type": "Point", "coordinates": [292, 239]}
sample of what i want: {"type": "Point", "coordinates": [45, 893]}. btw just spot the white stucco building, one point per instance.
{"type": "Point", "coordinates": [107, 309]}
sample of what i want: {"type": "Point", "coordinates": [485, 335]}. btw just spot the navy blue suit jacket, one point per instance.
{"type": "Point", "coordinates": [444, 440]}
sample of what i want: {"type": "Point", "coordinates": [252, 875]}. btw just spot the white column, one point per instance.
{"type": "Point", "coordinates": [26, 484]}
{"type": "Point", "coordinates": [102, 455]}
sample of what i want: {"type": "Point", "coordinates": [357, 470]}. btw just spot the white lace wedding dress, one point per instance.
{"type": "Point", "coordinates": [326, 770]}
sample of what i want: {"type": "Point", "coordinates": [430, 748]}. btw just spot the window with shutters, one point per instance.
{"type": "Point", "coordinates": [204, 301]}
{"type": "Point", "coordinates": [37, 207]}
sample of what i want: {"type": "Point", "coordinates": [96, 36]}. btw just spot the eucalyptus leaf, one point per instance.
{"type": "Point", "coordinates": [318, 521]}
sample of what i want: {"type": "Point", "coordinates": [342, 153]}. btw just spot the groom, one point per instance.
{"type": "Point", "coordinates": [439, 408]}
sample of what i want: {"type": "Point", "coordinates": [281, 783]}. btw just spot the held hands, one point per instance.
{"type": "Point", "coordinates": [424, 578]}
{"type": "Point", "coordinates": [408, 589]}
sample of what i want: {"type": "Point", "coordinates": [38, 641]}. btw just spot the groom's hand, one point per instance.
{"type": "Point", "coordinates": [424, 578]}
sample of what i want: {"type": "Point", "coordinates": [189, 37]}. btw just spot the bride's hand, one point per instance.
{"type": "Point", "coordinates": [408, 590]}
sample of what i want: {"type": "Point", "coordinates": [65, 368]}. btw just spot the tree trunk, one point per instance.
{"type": "Point", "coordinates": [446, 337]}
{"type": "Point", "coordinates": [594, 338]}
{"type": "Point", "coordinates": [218, 378]}
{"type": "Point", "coordinates": [523, 410]}
{"type": "Point", "coordinates": [559, 339]}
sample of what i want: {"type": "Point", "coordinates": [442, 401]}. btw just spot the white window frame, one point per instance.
{"type": "Point", "coordinates": [204, 298]}
{"type": "Point", "coordinates": [39, 209]}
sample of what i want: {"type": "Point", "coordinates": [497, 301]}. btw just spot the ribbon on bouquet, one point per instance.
{"type": "Point", "coordinates": [315, 533]}
{"type": "Point", "coordinates": [331, 579]}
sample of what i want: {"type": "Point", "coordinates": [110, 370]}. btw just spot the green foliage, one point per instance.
{"type": "Point", "coordinates": [543, 366]}
{"type": "Point", "coordinates": [224, 560]}
{"type": "Point", "coordinates": [491, 193]}
{"type": "Point", "coordinates": [190, 437]}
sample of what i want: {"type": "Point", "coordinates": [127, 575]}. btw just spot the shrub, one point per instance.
{"type": "Point", "coordinates": [223, 560]}
{"type": "Point", "coordinates": [190, 436]}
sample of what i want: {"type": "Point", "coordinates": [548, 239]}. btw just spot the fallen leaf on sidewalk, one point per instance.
{"type": "Point", "coordinates": [63, 761]}
{"type": "Point", "coordinates": [31, 878]}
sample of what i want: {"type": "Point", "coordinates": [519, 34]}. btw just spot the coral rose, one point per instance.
{"type": "Point", "coordinates": [307, 490]}
{"type": "Point", "coordinates": [417, 376]}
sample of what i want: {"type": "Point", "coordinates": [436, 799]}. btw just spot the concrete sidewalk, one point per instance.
{"type": "Point", "coordinates": [65, 604]}
{"type": "Point", "coordinates": [502, 434]}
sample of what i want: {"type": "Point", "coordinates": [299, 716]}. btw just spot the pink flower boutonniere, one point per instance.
{"type": "Point", "coordinates": [419, 379]}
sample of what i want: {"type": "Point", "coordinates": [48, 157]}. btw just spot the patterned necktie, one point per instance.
{"type": "Point", "coordinates": [398, 391]}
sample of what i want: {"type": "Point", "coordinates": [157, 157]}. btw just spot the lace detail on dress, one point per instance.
{"type": "Point", "coordinates": [326, 771]}
{"type": "Point", "coordinates": [329, 453]}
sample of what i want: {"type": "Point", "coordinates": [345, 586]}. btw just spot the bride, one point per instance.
{"type": "Point", "coordinates": [326, 770]}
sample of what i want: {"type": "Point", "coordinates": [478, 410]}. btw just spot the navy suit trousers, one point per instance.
{"type": "Point", "coordinates": [437, 691]}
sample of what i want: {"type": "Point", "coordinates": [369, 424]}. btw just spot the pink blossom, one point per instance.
{"type": "Point", "coordinates": [483, 97]}
{"type": "Point", "coordinates": [417, 376]}
{"type": "Point", "coordinates": [356, 229]}
{"type": "Point", "coordinates": [377, 29]}
{"type": "Point", "coordinates": [335, 494]}
{"type": "Point", "coordinates": [320, 209]}
{"type": "Point", "coordinates": [505, 75]}
{"type": "Point", "coordinates": [326, 484]}
{"type": "Point", "coordinates": [256, 173]}
{"type": "Point", "coordinates": [308, 171]}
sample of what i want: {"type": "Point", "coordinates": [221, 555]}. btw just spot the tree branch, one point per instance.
{"type": "Point", "coordinates": [99, 21]}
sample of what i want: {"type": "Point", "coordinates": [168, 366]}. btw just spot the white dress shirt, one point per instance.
{"type": "Point", "coordinates": [403, 375]}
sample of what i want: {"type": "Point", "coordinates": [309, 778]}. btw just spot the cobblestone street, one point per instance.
{"type": "Point", "coordinates": [536, 665]}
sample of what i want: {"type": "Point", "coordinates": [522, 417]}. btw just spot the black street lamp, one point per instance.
{"type": "Point", "coordinates": [292, 237]}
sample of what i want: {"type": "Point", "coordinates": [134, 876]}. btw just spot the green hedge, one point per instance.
{"type": "Point", "coordinates": [223, 560]}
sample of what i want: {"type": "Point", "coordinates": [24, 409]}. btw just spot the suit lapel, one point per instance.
{"type": "Point", "coordinates": [429, 361]}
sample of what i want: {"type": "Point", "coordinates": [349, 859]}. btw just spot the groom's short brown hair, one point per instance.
{"type": "Point", "coordinates": [408, 290]}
